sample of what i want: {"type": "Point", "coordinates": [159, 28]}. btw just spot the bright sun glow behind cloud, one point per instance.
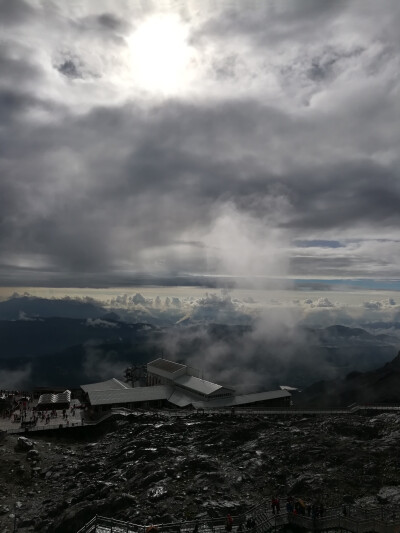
{"type": "Point", "coordinates": [160, 55]}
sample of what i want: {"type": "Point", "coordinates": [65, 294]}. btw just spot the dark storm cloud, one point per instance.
{"type": "Point", "coordinates": [352, 193]}
{"type": "Point", "coordinates": [111, 22]}
{"type": "Point", "coordinates": [272, 23]}
{"type": "Point", "coordinates": [163, 180]}
{"type": "Point", "coordinates": [313, 243]}
{"type": "Point", "coordinates": [15, 12]}
{"type": "Point", "coordinates": [69, 69]}
{"type": "Point", "coordinates": [16, 70]}
{"type": "Point", "coordinates": [282, 22]}
{"type": "Point", "coordinates": [97, 180]}
{"type": "Point", "coordinates": [105, 25]}
{"type": "Point", "coordinates": [12, 103]}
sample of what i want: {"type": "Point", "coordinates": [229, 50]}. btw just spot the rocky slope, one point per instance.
{"type": "Point", "coordinates": [149, 469]}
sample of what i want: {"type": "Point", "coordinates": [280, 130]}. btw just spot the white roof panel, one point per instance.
{"type": "Point", "coordinates": [197, 385]}
{"type": "Point", "coordinates": [181, 398]}
{"type": "Point", "coordinates": [168, 366]}
{"type": "Point", "coordinates": [62, 397]}
{"type": "Point", "coordinates": [110, 384]}
{"type": "Point", "coordinates": [243, 399]}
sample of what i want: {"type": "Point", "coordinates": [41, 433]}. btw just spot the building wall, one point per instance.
{"type": "Point", "coordinates": [221, 393]}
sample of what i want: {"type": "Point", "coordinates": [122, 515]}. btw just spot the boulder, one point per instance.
{"type": "Point", "coordinates": [24, 444]}
{"type": "Point", "coordinates": [389, 495]}
{"type": "Point", "coordinates": [33, 455]}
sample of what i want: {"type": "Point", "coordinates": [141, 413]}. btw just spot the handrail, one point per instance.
{"type": "Point", "coordinates": [32, 429]}
{"type": "Point", "coordinates": [360, 521]}
{"type": "Point", "coordinates": [215, 411]}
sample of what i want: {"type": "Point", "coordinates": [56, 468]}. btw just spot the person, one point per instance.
{"type": "Point", "coordinates": [229, 522]}
{"type": "Point", "coordinates": [275, 505]}
{"type": "Point", "coordinates": [289, 506]}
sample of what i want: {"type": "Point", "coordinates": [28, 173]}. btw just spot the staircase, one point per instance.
{"type": "Point", "coordinates": [100, 524]}
{"type": "Point", "coordinates": [378, 520]}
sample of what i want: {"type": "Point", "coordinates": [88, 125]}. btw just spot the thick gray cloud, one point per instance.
{"type": "Point", "coordinates": [15, 12]}
{"type": "Point", "coordinates": [283, 128]}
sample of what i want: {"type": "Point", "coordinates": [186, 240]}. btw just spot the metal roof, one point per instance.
{"type": "Point", "coordinates": [111, 384]}
{"type": "Point", "coordinates": [197, 385]}
{"type": "Point", "coordinates": [129, 395]}
{"type": "Point", "coordinates": [243, 399]}
{"type": "Point", "coordinates": [62, 397]}
{"type": "Point", "coordinates": [167, 366]}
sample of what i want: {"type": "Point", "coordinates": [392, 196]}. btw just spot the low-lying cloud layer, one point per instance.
{"type": "Point", "coordinates": [239, 341]}
{"type": "Point", "coordinates": [269, 128]}
{"type": "Point", "coordinates": [213, 307]}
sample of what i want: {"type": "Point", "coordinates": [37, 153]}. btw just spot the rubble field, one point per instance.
{"type": "Point", "coordinates": [149, 469]}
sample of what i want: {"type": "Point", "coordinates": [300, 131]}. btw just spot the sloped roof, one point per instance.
{"type": "Point", "coordinates": [129, 395]}
{"type": "Point", "coordinates": [198, 385]}
{"type": "Point", "coordinates": [243, 399]}
{"type": "Point", "coordinates": [181, 398]}
{"type": "Point", "coordinates": [110, 384]}
{"type": "Point", "coordinates": [167, 366]}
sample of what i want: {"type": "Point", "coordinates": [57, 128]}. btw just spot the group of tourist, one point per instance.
{"type": "Point", "coordinates": [297, 506]}
{"type": "Point", "coordinates": [293, 505]}
{"type": "Point", "coordinates": [20, 408]}
{"type": "Point", "coordinates": [7, 394]}
{"type": "Point", "coordinates": [15, 406]}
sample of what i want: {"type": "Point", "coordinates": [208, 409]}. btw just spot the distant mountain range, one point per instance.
{"type": "Point", "coordinates": [30, 307]}
{"type": "Point", "coordinates": [380, 386]}
{"type": "Point", "coordinates": [41, 336]}
{"type": "Point", "coordinates": [70, 342]}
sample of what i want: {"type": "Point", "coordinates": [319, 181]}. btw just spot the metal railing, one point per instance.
{"type": "Point", "coordinates": [239, 411]}
{"type": "Point", "coordinates": [357, 520]}
{"type": "Point", "coordinates": [209, 525]}
{"type": "Point", "coordinates": [32, 429]}
{"type": "Point", "coordinates": [113, 525]}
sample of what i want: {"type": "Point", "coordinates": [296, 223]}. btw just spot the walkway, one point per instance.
{"type": "Point", "coordinates": [12, 427]}
{"type": "Point", "coordinates": [380, 520]}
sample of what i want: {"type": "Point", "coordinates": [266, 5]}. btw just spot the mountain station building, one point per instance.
{"type": "Point", "coordinates": [175, 385]}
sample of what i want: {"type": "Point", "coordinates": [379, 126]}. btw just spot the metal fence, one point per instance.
{"type": "Point", "coordinates": [381, 519]}
{"type": "Point", "coordinates": [101, 524]}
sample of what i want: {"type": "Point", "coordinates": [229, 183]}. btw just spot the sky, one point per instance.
{"type": "Point", "coordinates": [187, 140]}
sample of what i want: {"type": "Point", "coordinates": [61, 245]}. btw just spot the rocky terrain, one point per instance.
{"type": "Point", "coordinates": [161, 469]}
